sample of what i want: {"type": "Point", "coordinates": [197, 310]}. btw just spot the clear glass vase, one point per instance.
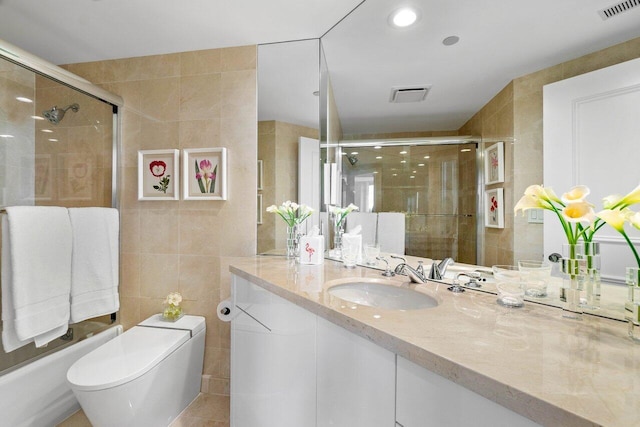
{"type": "Point", "coordinates": [172, 312]}
{"type": "Point", "coordinates": [592, 284]}
{"type": "Point", "coordinates": [338, 229]}
{"type": "Point", "coordinates": [293, 238]}
{"type": "Point", "coordinates": [573, 275]}
{"type": "Point", "coordinates": [632, 305]}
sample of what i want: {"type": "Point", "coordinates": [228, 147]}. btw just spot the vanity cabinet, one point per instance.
{"type": "Point", "coordinates": [427, 399]}
{"type": "Point", "coordinates": [356, 380]}
{"type": "Point", "coordinates": [291, 368]}
{"type": "Point", "coordinates": [273, 360]}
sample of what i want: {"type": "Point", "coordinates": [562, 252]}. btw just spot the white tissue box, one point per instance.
{"type": "Point", "coordinates": [312, 250]}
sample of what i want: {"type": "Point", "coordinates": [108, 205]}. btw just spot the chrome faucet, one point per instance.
{"type": "Point", "coordinates": [473, 276]}
{"type": "Point", "coordinates": [438, 270]}
{"type": "Point", "coordinates": [415, 274]}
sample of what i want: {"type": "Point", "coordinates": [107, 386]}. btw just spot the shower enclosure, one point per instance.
{"type": "Point", "coordinates": [57, 147]}
{"type": "Point", "coordinates": [434, 185]}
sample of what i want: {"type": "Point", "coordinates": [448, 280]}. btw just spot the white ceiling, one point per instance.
{"type": "Point", "coordinates": [499, 41]}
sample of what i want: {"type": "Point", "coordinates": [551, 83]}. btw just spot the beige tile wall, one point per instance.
{"type": "Point", "coordinates": [494, 122]}
{"type": "Point", "coordinates": [185, 100]}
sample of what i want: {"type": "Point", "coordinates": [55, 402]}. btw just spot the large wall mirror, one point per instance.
{"type": "Point", "coordinates": [418, 159]}
{"type": "Point", "coordinates": [288, 119]}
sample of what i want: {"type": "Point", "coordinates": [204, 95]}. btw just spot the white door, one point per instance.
{"type": "Point", "coordinates": [309, 177]}
{"type": "Point", "coordinates": [592, 137]}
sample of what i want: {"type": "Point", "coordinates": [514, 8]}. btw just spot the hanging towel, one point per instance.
{"type": "Point", "coordinates": [391, 232]}
{"type": "Point", "coordinates": [36, 275]}
{"type": "Point", "coordinates": [94, 265]}
{"type": "Point", "coordinates": [367, 220]}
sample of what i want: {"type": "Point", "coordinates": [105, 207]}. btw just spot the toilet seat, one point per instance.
{"type": "Point", "coordinates": [125, 358]}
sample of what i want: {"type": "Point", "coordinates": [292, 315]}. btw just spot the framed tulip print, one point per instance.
{"type": "Point", "coordinates": [494, 164]}
{"type": "Point", "coordinates": [204, 174]}
{"type": "Point", "coordinates": [158, 174]}
{"type": "Point", "coordinates": [494, 208]}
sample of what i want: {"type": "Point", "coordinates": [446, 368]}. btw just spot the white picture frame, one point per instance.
{"type": "Point", "coordinates": [260, 184]}
{"type": "Point", "coordinates": [494, 208]}
{"type": "Point", "coordinates": [204, 174]}
{"type": "Point", "coordinates": [494, 164]}
{"type": "Point", "coordinates": [158, 174]}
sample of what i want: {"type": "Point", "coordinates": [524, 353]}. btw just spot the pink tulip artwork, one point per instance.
{"type": "Point", "coordinates": [205, 173]}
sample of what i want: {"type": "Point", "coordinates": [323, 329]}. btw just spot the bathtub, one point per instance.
{"type": "Point", "coordinates": [37, 394]}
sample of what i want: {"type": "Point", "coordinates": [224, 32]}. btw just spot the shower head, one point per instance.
{"type": "Point", "coordinates": [55, 115]}
{"type": "Point", "coordinates": [352, 159]}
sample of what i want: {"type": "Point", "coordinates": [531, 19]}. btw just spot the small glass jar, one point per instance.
{"type": "Point", "coordinates": [172, 312]}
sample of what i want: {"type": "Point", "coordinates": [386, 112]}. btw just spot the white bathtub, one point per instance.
{"type": "Point", "coordinates": [37, 395]}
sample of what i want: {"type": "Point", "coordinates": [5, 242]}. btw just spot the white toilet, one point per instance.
{"type": "Point", "coordinates": [144, 377]}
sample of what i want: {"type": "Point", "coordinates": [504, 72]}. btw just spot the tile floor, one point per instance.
{"type": "Point", "coordinates": [207, 410]}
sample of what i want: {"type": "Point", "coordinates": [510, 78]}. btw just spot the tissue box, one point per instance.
{"type": "Point", "coordinates": [312, 250]}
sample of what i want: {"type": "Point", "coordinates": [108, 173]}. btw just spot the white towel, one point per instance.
{"type": "Point", "coordinates": [368, 222]}
{"type": "Point", "coordinates": [36, 275]}
{"type": "Point", "coordinates": [94, 265]}
{"type": "Point", "coordinates": [391, 232]}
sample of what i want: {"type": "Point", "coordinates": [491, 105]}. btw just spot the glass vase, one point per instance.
{"type": "Point", "coordinates": [591, 256]}
{"type": "Point", "coordinates": [338, 231]}
{"type": "Point", "coordinates": [632, 305]}
{"type": "Point", "coordinates": [573, 275]}
{"type": "Point", "coordinates": [172, 312]}
{"type": "Point", "coordinates": [292, 241]}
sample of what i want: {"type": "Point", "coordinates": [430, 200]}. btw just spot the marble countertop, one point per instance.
{"type": "Point", "coordinates": [555, 371]}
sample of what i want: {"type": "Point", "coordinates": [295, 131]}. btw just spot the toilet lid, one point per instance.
{"type": "Point", "coordinates": [124, 358]}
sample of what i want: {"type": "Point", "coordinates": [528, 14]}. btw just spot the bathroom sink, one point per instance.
{"type": "Point", "coordinates": [382, 295]}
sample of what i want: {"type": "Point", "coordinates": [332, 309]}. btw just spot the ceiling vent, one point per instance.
{"type": "Point", "coordinates": [618, 8]}
{"type": "Point", "coordinates": [409, 93]}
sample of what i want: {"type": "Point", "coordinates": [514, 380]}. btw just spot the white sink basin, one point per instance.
{"type": "Point", "coordinates": [381, 295]}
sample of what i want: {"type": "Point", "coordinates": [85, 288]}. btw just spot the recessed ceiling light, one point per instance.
{"type": "Point", "coordinates": [344, 154]}
{"type": "Point", "coordinates": [451, 40]}
{"type": "Point", "coordinates": [395, 174]}
{"type": "Point", "coordinates": [378, 157]}
{"type": "Point", "coordinates": [23, 99]}
{"type": "Point", "coordinates": [412, 177]}
{"type": "Point", "coordinates": [414, 172]}
{"type": "Point", "coordinates": [53, 140]}
{"type": "Point", "coordinates": [375, 172]}
{"type": "Point", "coordinates": [420, 164]}
{"type": "Point", "coordinates": [403, 161]}
{"type": "Point", "coordinates": [47, 131]}
{"type": "Point", "coordinates": [403, 17]}
{"type": "Point", "coordinates": [353, 153]}
{"type": "Point", "coordinates": [403, 152]}
{"type": "Point", "coordinates": [426, 157]}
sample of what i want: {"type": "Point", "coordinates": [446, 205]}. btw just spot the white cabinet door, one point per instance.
{"type": "Point", "coordinates": [272, 360]}
{"type": "Point", "coordinates": [356, 380]}
{"type": "Point", "coordinates": [425, 399]}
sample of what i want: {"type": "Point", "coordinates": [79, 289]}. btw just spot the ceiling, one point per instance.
{"type": "Point", "coordinates": [499, 41]}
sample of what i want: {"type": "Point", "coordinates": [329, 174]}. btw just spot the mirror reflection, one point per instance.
{"type": "Point", "coordinates": [350, 178]}
{"type": "Point", "coordinates": [288, 115]}
{"type": "Point", "coordinates": [430, 189]}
